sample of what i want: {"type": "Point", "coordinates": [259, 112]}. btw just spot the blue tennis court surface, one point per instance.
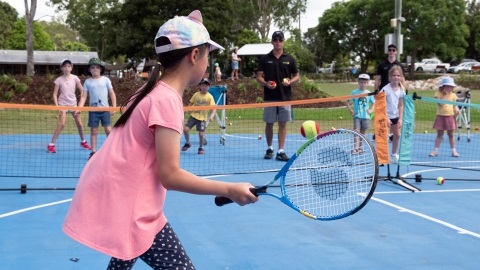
{"type": "Point", "coordinates": [437, 228]}
{"type": "Point", "coordinates": [433, 229]}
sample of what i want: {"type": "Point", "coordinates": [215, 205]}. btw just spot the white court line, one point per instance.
{"type": "Point", "coordinates": [446, 224]}
{"type": "Point", "coordinates": [429, 191]}
{"type": "Point", "coordinates": [32, 208]}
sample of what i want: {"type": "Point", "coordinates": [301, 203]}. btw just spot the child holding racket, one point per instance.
{"type": "Point", "coordinates": [445, 119]}
{"type": "Point", "coordinates": [199, 118]}
{"type": "Point", "coordinates": [394, 94]}
{"type": "Point", "coordinates": [64, 95]}
{"type": "Point", "coordinates": [118, 203]}
{"type": "Point", "coordinates": [361, 110]}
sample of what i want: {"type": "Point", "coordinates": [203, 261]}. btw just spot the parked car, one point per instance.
{"type": "Point", "coordinates": [463, 67]}
{"type": "Point", "coordinates": [327, 69]}
{"type": "Point", "coordinates": [432, 65]}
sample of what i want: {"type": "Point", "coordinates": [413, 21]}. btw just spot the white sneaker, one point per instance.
{"type": "Point", "coordinates": [394, 158]}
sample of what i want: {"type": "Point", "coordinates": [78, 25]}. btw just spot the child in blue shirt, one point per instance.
{"type": "Point", "coordinates": [361, 110]}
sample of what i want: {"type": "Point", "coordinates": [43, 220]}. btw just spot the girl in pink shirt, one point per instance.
{"type": "Point", "coordinates": [64, 95]}
{"type": "Point", "coordinates": [118, 203]}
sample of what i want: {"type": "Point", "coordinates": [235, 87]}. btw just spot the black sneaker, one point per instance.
{"type": "Point", "coordinates": [282, 156]}
{"type": "Point", "coordinates": [269, 154]}
{"type": "Point", "coordinates": [200, 151]}
{"type": "Point", "coordinates": [186, 146]}
{"type": "Point", "coordinates": [91, 155]}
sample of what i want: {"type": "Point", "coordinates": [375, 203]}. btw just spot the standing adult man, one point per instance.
{"type": "Point", "coordinates": [381, 79]}
{"type": "Point", "coordinates": [277, 70]}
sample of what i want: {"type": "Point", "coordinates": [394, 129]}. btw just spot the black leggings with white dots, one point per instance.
{"type": "Point", "coordinates": [166, 253]}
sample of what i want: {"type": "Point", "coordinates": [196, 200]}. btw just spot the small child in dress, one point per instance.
{"type": "Point", "coordinates": [446, 113]}
{"type": "Point", "coordinates": [218, 73]}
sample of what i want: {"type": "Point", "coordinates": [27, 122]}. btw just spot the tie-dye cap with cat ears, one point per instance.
{"type": "Point", "coordinates": [184, 32]}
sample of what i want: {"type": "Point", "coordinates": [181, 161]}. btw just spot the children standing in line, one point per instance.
{"type": "Point", "coordinates": [394, 94]}
{"type": "Point", "coordinates": [118, 204]}
{"type": "Point", "coordinates": [445, 119]}
{"type": "Point", "coordinates": [199, 118]}
{"type": "Point", "coordinates": [362, 108]}
{"type": "Point", "coordinates": [99, 88]}
{"type": "Point", "coordinates": [218, 73]}
{"type": "Point", "coordinates": [66, 86]}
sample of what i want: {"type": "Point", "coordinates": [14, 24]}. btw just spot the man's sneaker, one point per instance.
{"type": "Point", "coordinates": [269, 154]}
{"type": "Point", "coordinates": [91, 155]}
{"type": "Point", "coordinates": [51, 149]}
{"type": "Point", "coordinates": [282, 156]}
{"type": "Point", "coordinates": [85, 145]}
{"type": "Point", "coordinates": [394, 158]}
{"type": "Point", "coordinates": [186, 146]}
{"type": "Point", "coordinates": [200, 151]}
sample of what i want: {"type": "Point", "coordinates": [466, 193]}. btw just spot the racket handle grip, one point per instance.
{"type": "Point", "coordinates": [221, 201]}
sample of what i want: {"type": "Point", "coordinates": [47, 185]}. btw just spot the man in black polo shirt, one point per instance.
{"type": "Point", "coordinates": [381, 79]}
{"type": "Point", "coordinates": [276, 72]}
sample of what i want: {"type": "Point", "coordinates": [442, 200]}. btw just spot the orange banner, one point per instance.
{"type": "Point", "coordinates": [381, 128]}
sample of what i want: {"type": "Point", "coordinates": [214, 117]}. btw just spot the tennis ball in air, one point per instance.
{"type": "Point", "coordinates": [309, 129]}
{"type": "Point", "coordinates": [440, 180]}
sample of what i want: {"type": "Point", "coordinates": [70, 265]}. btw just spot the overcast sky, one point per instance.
{"type": "Point", "coordinates": [315, 10]}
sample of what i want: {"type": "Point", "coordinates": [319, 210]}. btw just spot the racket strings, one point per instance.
{"type": "Point", "coordinates": [329, 179]}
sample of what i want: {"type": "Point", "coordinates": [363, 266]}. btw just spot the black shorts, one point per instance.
{"type": "Point", "coordinates": [394, 121]}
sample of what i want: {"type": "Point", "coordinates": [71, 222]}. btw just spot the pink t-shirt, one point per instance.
{"type": "Point", "coordinates": [66, 87]}
{"type": "Point", "coordinates": [117, 207]}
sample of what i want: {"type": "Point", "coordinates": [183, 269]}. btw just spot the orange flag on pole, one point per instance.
{"type": "Point", "coordinates": [381, 128]}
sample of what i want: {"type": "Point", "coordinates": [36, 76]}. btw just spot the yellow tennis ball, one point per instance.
{"type": "Point", "coordinates": [440, 180]}
{"type": "Point", "coordinates": [310, 129]}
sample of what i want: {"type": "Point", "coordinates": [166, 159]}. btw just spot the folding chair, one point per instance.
{"type": "Point", "coordinates": [463, 118]}
{"type": "Point", "coordinates": [219, 93]}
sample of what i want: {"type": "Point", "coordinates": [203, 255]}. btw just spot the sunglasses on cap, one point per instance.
{"type": "Point", "coordinates": [277, 40]}
{"type": "Point", "coordinates": [392, 50]}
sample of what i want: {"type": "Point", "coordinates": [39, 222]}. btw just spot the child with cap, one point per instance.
{"type": "Point", "coordinates": [199, 118]}
{"type": "Point", "coordinates": [66, 86]}
{"type": "Point", "coordinates": [445, 119]}
{"type": "Point", "coordinates": [362, 108]}
{"type": "Point", "coordinates": [118, 204]}
{"type": "Point", "coordinates": [100, 89]}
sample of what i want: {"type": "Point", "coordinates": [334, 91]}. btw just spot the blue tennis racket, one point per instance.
{"type": "Point", "coordinates": [330, 177]}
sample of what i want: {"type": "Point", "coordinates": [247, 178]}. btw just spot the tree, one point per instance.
{"type": "Point", "coordinates": [90, 18]}
{"type": "Point", "coordinates": [8, 15]}
{"type": "Point", "coordinates": [17, 38]}
{"type": "Point", "coordinates": [435, 27]}
{"type": "Point", "coordinates": [29, 15]}
{"type": "Point", "coordinates": [351, 28]}
{"type": "Point", "coordinates": [64, 38]}
{"type": "Point", "coordinates": [260, 15]}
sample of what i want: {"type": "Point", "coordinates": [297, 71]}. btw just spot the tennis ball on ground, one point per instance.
{"type": "Point", "coordinates": [333, 128]}
{"type": "Point", "coordinates": [341, 117]}
{"type": "Point", "coordinates": [230, 123]}
{"type": "Point", "coordinates": [259, 137]}
{"type": "Point", "coordinates": [426, 131]}
{"type": "Point", "coordinates": [309, 129]}
{"type": "Point", "coordinates": [440, 180]}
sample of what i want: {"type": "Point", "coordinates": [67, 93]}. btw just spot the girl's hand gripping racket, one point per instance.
{"type": "Point", "coordinates": [330, 176]}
